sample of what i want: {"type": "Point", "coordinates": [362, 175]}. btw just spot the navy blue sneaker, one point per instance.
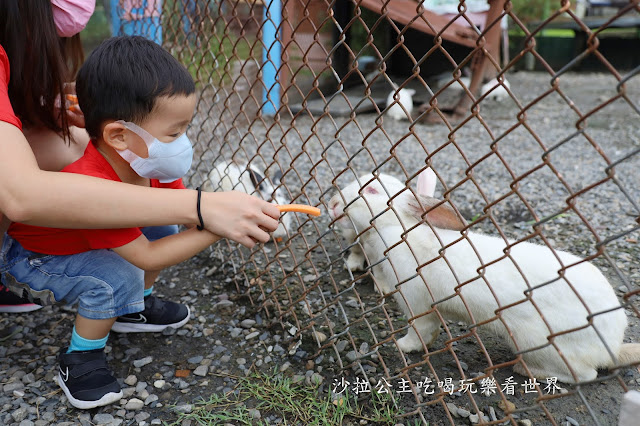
{"type": "Point", "coordinates": [86, 379]}
{"type": "Point", "coordinates": [157, 315]}
{"type": "Point", "coordinates": [12, 303]}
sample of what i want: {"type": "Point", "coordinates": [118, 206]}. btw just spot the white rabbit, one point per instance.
{"type": "Point", "coordinates": [405, 99]}
{"type": "Point", "coordinates": [356, 259]}
{"type": "Point", "coordinates": [229, 176]}
{"type": "Point", "coordinates": [499, 93]}
{"type": "Point", "coordinates": [493, 290]}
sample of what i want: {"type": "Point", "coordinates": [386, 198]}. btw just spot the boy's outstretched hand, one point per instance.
{"type": "Point", "coordinates": [239, 217]}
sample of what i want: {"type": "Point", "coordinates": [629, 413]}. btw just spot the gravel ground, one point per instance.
{"type": "Point", "coordinates": [269, 309]}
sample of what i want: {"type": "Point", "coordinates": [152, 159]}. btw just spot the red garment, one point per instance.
{"type": "Point", "coordinates": [71, 241]}
{"type": "Point", "coordinates": [6, 112]}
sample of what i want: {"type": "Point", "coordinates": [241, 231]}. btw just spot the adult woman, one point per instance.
{"type": "Point", "coordinates": [39, 69]}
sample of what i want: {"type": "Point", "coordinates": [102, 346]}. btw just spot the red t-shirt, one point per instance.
{"type": "Point", "coordinates": [71, 241]}
{"type": "Point", "coordinates": [6, 112]}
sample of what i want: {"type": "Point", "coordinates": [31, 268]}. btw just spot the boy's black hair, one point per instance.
{"type": "Point", "coordinates": [123, 77]}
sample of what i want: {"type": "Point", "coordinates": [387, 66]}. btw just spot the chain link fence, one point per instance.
{"type": "Point", "coordinates": [298, 99]}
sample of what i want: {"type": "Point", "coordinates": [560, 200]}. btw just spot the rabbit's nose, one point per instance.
{"type": "Point", "coordinates": [333, 209]}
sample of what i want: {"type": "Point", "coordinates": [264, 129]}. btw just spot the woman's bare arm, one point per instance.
{"type": "Point", "coordinates": [65, 200]}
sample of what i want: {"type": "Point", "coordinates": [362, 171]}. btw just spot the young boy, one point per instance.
{"type": "Point", "coordinates": [137, 101]}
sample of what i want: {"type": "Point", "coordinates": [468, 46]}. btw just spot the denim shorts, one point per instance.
{"type": "Point", "coordinates": [102, 283]}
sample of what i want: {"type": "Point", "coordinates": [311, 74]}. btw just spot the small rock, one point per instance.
{"type": "Point", "coordinates": [134, 404]}
{"type": "Point", "coordinates": [131, 380]}
{"type": "Point", "coordinates": [241, 361]}
{"type": "Point", "coordinates": [463, 413]}
{"type": "Point", "coordinates": [453, 409]}
{"type": "Point", "coordinates": [102, 419]}
{"type": "Point", "coordinates": [341, 345]}
{"type": "Point", "coordinates": [158, 384]}
{"type": "Point", "coordinates": [141, 417]}
{"type": "Point", "coordinates": [201, 370]}
{"type": "Point", "coordinates": [506, 406]}
{"type": "Point", "coordinates": [222, 304]}
{"type": "Point", "coordinates": [20, 414]}
{"type": "Point", "coordinates": [352, 303]}
{"type": "Point", "coordinates": [142, 362]}
{"type": "Point", "coordinates": [184, 408]}
{"type": "Point", "coordinates": [320, 337]}
{"type": "Point", "coordinates": [473, 418]}
{"type": "Point", "coordinates": [492, 414]}
{"type": "Point", "coordinates": [315, 379]}
{"type": "Point", "coordinates": [128, 392]}
{"type": "Point", "coordinates": [248, 323]}
{"type": "Point", "coordinates": [10, 387]}
{"type": "Point", "coordinates": [573, 421]}
{"type": "Point", "coordinates": [151, 398]}
{"type": "Point", "coordinates": [195, 359]}
{"type": "Point", "coordinates": [255, 414]}
{"type": "Point", "coordinates": [525, 422]}
{"type": "Point", "coordinates": [252, 335]}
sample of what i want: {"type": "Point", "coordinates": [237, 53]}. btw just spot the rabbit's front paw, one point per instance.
{"type": "Point", "coordinates": [410, 343]}
{"type": "Point", "coordinates": [355, 262]}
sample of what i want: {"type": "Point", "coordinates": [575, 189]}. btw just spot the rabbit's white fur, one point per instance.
{"type": "Point", "coordinates": [480, 278]}
{"type": "Point", "coordinates": [229, 176]}
{"type": "Point", "coordinates": [356, 259]}
{"type": "Point", "coordinates": [498, 94]}
{"type": "Point", "coordinates": [405, 99]}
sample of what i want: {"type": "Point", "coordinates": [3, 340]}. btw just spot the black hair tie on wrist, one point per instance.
{"type": "Point", "coordinates": [201, 226]}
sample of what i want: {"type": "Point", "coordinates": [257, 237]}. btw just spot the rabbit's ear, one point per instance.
{"type": "Point", "coordinates": [370, 189]}
{"type": "Point", "coordinates": [256, 178]}
{"type": "Point", "coordinates": [427, 183]}
{"type": "Point", "coordinates": [443, 216]}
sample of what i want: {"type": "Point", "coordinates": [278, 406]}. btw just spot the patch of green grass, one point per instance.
{"type": "Point", "coordinates": [476, 217]}
{"type": "Point", "coordinates": [295, 403]}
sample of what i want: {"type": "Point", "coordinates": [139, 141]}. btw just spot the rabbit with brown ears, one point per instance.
{"type": "Point", "coordinates": [556, 309]}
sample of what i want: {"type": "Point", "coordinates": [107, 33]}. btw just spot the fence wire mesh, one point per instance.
{"type": "Point", "coordinates": [469, 328]}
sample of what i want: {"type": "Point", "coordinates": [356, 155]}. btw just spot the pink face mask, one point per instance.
{"type": "Point", "coordinates": [71, 16]}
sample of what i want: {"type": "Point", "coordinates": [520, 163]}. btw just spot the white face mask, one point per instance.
{"type": "Point", "coordinates": [167, 161]}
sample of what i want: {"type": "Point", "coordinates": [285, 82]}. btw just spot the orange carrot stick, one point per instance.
{"type": "Point", "coordinates": [299, 208]}
{"type": "Point", "coordinates": [74, 103]}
